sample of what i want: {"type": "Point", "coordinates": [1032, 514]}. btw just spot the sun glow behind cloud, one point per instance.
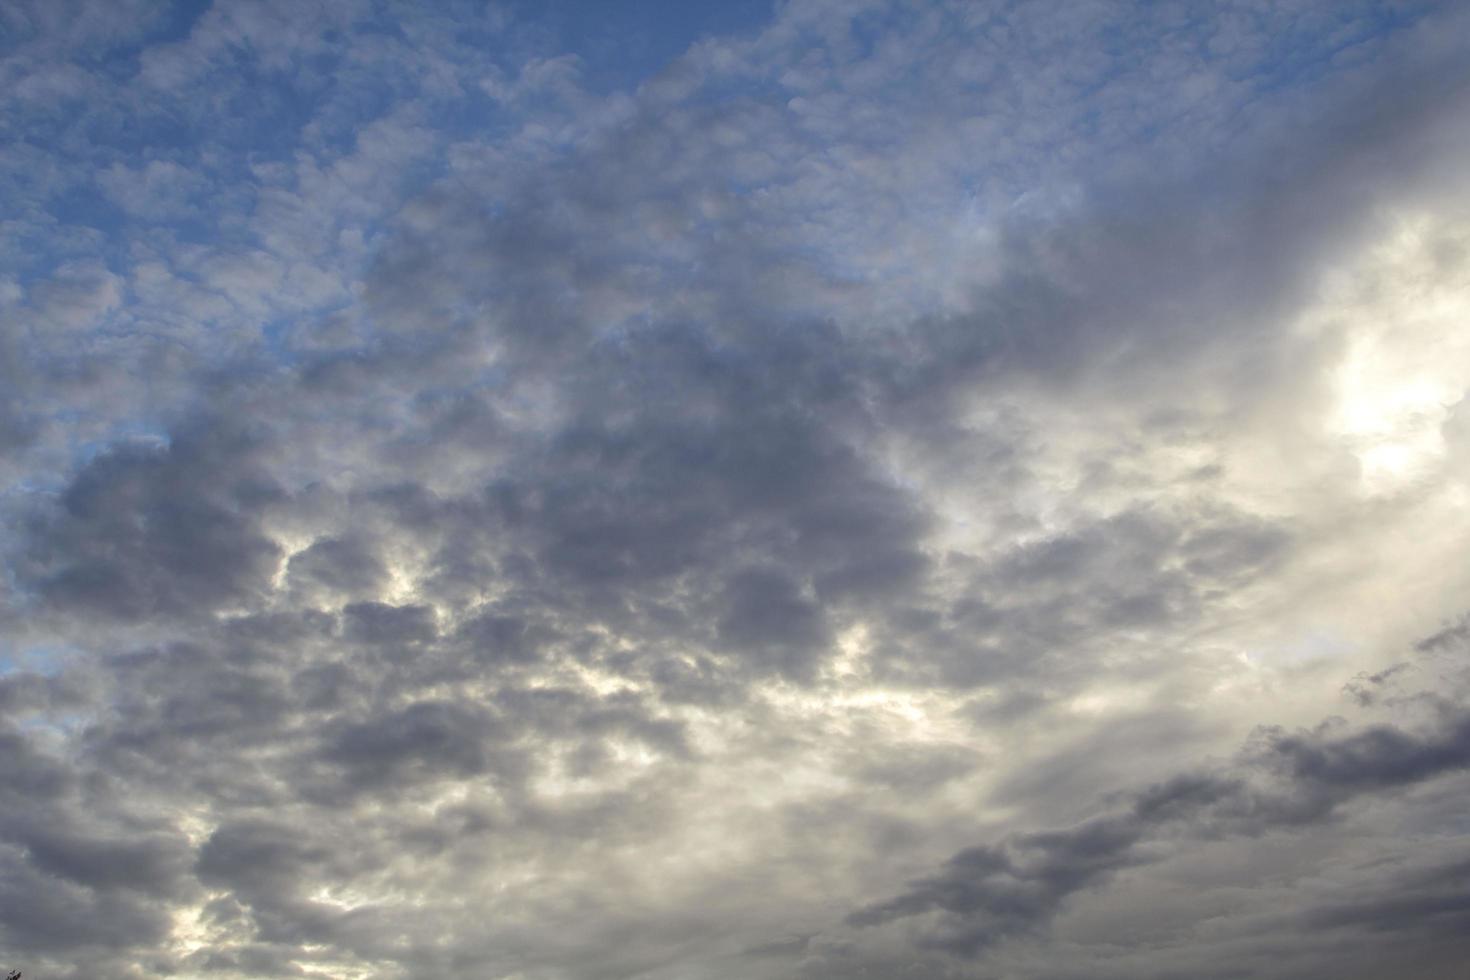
{"type": "Point", "coordinates": [1407, 357]}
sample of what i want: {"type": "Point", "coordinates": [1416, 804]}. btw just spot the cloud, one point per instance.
{"type": "Point", "coordinates": [1284, 781]}
{"type": "Point", "coordinates": [527, 525]}
{"type": "Point", "coordinates": [144, 531]}
{"type": "Point", "coordinates": [76, 298]}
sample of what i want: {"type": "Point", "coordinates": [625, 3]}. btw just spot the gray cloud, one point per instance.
{"type": "Point", "coordinates": [1283, 780]}
{"type": "Point", "coordinates": [148, 531]}
{"type": "Point", "coordinates": [527, 531]}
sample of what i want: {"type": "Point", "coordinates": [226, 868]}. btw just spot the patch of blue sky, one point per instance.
{"type": "Point", "coordinates": [621, 43]}
{"type": "Point", "coordinates": [240, 113]}
{"type": "Point", "coordinates": [76, 225]}
{"type": "Point", "coordinates": [177, 20]}
{"type": "Point", "coordinates": [282, 336]}
{"type": "Point", "coordinates": [46, 659]}
{"type": "Point", "coordinates": [1306, 52]}
{"type": "Point", "coordinates": [135, 433]}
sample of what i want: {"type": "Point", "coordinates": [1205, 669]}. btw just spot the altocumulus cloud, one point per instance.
{"type": "Point", "coordinates": [794, 491]}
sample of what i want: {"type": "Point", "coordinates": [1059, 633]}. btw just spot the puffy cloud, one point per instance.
{"type": "Point", "coordinates": [151, 531]}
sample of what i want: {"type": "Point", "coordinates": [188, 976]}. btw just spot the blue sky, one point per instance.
{"type": "Point", "coordinates": [776, 491]}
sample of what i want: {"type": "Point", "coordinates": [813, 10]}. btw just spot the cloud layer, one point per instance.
{"type": "Point", "coordinates": [895, 489]}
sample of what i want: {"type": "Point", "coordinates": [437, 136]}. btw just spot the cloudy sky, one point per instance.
{"type": "Point", "coordinates": [811, 490]}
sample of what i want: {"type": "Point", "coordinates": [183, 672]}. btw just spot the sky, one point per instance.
{"type": "Point", "coordinates": [796, 490]}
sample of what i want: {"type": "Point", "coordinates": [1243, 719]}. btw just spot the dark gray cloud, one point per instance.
{"type": "Point", "coordinates": [147, 531]}
{"type": "Point", "coordinates": [346, 565]}
{"type": "Point", "coordinates": [82, 872]}
{"type": "Point", "coordinates": [1450, 637]}
{"type": "Point", "coordinates": [1365, 689]}
{"type": "Point", "coordinates": [1429, 904]}
{"type": "Point", "coordinates": [1284, 780]}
